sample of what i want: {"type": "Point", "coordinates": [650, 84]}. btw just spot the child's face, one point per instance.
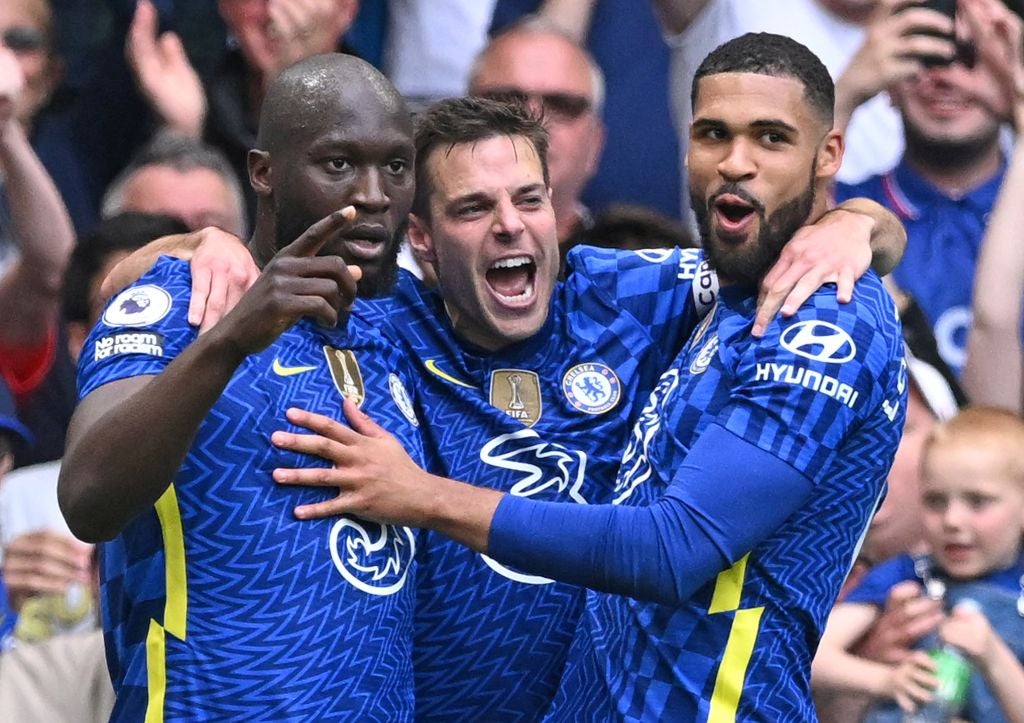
{"type": "Point", "coordinates": [973, 511]}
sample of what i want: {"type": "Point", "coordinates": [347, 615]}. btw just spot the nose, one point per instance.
{"type": "Point", "coordinates": [954, 515]}
{"type": "Point", "coordinates": [508, 224]}
{"type": "Point", "coordinates": [738, 163]}
{"type": "Point", "coordinates": [369, 194]}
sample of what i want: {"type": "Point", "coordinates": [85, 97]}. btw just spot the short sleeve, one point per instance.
{"type": "Point", "coordinates": [142, 328]}
{"type": "Point", "coordinates": [800, 390]}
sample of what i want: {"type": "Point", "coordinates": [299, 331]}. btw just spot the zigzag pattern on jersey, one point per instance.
{"type": "Point", "coordinates": [286, 622]}
{"type": "Point", "coordinates": [488, 647]}
{"type": "Point", "coordinates": [658, 662]}
{"type": "Point", "coordinates": [275, 632]}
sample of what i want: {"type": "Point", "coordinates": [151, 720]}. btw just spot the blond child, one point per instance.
{"type": "Point", "coordinates": [973, 512]}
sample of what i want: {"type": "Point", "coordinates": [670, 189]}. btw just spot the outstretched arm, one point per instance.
{"type": "Point", "coordinates": [128, 438]}
{"type": "Point", "coordinates": [994, 371]}
{"type": "Point", "coordinates": [663, 552]}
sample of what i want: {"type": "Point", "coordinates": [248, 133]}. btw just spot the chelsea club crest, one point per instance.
{"type": "Point", "coordinates": [592, 388]}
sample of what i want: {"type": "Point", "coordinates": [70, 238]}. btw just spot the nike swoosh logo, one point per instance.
{"type": "Point", "coordinates": [283, 371]}
{"type": "Point", "coordinates": [432, 367]}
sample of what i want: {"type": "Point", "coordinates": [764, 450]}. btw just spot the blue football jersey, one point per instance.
{"type": "Point", "coordinates": [944, 236]}
{"type": "Point", "coordinates": [218, 603]}
{"type": "Point", "coordinates": [545, 418]}
{"type": "Point", "coordinates": [824, 392]}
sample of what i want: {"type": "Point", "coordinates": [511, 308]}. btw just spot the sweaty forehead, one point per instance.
{"type": "Point", "coordinates": [358, 107]}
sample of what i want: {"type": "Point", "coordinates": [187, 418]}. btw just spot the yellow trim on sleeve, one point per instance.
{"type": "Point", "coordinates": [739, 648]}
{"type": "Point", "coordinates": [156, 672]}
{"type": "Point", "coordinates": [176, 604]}
{"type": "Point", "coordinates": [729, 587]}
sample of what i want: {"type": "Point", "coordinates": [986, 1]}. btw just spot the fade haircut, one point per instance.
{"type": "Point", "coordinates": [777, 56]}
{"type": "Point", "coordinates": [455, 121]}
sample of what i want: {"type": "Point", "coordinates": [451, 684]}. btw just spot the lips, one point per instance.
{"type": "Point", "coordinates": [366, 242]}
{"type": "Point", "coordinates": [512, 280]}
{"type": "Point", "coordinates": [955, 552]}
{"type": "Point", "coordinates": [733, 214]}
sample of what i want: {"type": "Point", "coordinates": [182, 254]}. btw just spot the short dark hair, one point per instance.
{"type": "Point", "coordinates": [455, 121]}
{"type": "Point", "coordinates": [123, 232]}
{"type": "Point", "coordinates": [775, 55]}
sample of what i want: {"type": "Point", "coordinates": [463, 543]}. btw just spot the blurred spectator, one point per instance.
{"type": "Point", "coordinates": [973, 514]}
{"type": "Point", "coordinates": [12, 434]}
{"type": "Point", "coordinates": [30, 282]}
{"type": "Point", "coordinates": [640, 161]}
{"type": "Point", "coordinates": [943, 189]}
{"type": "Point", "coordinates": [266, 36]}
{"type": "Point", "coordinates": [993, 371]}
{"type": "Point", "coordinates": [180, 176]}
{"type": "Point", "coordinates": [57, 671]}
{"type": "Point", "coordinates": [83, 130]}
{"type": "Point", "coordinates": [430, 47]}
{"type": "Point", "coordinates": [540, 65]}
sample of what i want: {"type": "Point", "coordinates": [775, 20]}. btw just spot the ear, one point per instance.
{"type": "Point", "coordinates": [260, 175]}
{"type": "Point", "coordinates": [421, 240]}
{"type": "Point", "coordinates": [830, 155]}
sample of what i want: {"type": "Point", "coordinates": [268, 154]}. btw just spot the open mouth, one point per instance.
{"type": "Point", "coordinates": [366, 243]}
{"type": "Point", "coordinates": [732, 213]}
{"type": "Point", "coordinates": [512, 280]}
{"type": "Point", "coordinates": [956, 552]}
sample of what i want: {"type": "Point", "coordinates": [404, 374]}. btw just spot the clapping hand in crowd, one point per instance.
{"type": "Point", "coordinates": [12, 82]}
{"type": "Point", "coordinates": [997, 35]}
{"type": "Point", "coordinates": [164, 74]}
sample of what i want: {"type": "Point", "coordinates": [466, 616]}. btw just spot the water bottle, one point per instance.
{"type": "Point", "coordinates": [953, 671]}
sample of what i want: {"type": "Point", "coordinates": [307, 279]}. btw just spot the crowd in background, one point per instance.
{"type": "Point", "coordinates": [125, 121]}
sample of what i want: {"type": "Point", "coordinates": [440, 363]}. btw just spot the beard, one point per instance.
{"type": "Point", "coordinates": [949, 153]}
{"type": "Point", "coordinates": [378, 276]}
{"type": "Point", "coordinates": [749, 262]}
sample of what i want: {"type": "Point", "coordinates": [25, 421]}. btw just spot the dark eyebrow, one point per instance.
{"type": "Point", "coordinates": [531, 188]}
{"type": "Point", "coordinates": [468, 198]}
{"type": "Point", "coordinates": [774, 124]}
{"type": "Point", "coordinates": [702, 123]}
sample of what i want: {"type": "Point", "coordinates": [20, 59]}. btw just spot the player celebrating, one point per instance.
{"type": "Point", "coordinates": [217, 603]}
{"type": "Point", "coordinates": [755, 465]}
